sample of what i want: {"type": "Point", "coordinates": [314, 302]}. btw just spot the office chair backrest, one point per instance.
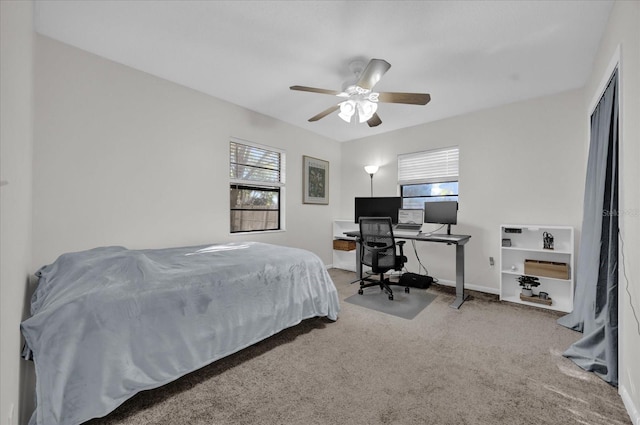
{"type": "Point", "coordinates": [376, 232]}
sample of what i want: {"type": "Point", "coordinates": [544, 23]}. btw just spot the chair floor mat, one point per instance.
{"type": "Point", "coordinates": [403, 305]}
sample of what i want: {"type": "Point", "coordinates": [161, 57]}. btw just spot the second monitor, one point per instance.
{"type": "Point", "coordinates": [441, 212]}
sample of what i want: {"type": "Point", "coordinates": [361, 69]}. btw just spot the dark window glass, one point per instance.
{"type": "Point", "coordinates": [254, 208]}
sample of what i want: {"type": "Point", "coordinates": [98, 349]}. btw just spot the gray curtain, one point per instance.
{"type": "Point", "coordinates": [595, 312]}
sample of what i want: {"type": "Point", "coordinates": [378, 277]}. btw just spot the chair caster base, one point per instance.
{"type": "Point", "coordinates": [391, 297]}
{"type": "Point", "coordinates": [406, 289]}
{"type": "Point", "coordinates": [360, 291]}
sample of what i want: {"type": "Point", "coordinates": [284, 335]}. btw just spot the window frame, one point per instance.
{"type": "Point", "coordinates": [258, 185]}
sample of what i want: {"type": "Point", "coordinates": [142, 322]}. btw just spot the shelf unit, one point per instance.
{"type": "Point", "coordinates": [527, 244]}
{"type": "Point", "coordinates": [345, 260]}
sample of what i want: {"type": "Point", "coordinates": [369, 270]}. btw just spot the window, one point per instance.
{"type": "Point", "coordinates": [256, 187]}
{"type": "Point", "coordinates": [428, 176]}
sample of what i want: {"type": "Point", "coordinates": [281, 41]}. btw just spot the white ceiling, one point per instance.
{"type": "Point", "coordinates": [468, 55]}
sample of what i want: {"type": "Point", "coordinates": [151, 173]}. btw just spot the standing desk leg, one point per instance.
{"type": "Point", "coordinates": [358, 263]}
{"type": "Point", "coordinates": [460, 295]}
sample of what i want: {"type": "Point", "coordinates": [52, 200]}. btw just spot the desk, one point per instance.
{"type": "Point", "coordinates": [458, 240]}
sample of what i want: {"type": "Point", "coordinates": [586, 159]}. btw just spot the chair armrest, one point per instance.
{"type": "Point", "coordinates": [401, 245]}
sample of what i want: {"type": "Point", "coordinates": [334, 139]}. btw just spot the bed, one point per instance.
{"type": "Point", "coordinates": [110, 322]}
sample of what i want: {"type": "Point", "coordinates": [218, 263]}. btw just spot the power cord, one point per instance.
{"type": "Point", "coordinates": [426, 272]}
{"type": "Point", "coordinates": [433, 231]}
{"type": "Point", "coordinates": [415, 251]}
{"type": "Point", "coordinates": [624, 273]}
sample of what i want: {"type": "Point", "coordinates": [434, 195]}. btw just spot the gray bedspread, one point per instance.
{"type": "Point", "coordinates": [110, 322]}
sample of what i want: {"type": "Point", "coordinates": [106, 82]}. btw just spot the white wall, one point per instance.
{"type": "Point", "coordinates": [623, 32]}
{"type": "Point", "coordinates": [16, 143]}
{"type": "Point", "coordinates": [520, 163]}
{"type": "Point", "coordinates": [125, 158]}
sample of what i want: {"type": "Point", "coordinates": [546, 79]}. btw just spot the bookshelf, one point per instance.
{"type": "Point", "coordinates": [526, 242]}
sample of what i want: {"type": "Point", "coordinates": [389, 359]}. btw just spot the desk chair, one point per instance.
{"type": "Point", "coordinates": [378, 251]}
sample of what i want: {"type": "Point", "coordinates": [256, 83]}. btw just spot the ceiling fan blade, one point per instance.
{"type": "Point", "coordinates": [374, 121]}
{"type": "Point", "coordinates": [324, 113]}
{"type": "Point", "coordinates": [409, 98]}
{"type": "Point", "coordinates": [373, 73]}
{"type": "Point", "coordinates": [315, 90]}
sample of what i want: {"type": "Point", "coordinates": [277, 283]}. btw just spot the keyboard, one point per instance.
{"type": "Point", "coordinates": [407, 227]}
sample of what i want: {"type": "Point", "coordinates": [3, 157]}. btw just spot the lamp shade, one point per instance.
{"type": "Point", "coordinates": [371, 169]}
{"type": "Point", "coordinates": [347, 110]}
{"type": "Point", "coordinates": [366, 110]}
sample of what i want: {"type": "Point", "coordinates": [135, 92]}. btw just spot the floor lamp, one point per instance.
{"type": "Point", "coordinates": [371, 170]}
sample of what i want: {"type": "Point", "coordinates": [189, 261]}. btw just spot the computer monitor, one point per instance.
{"type": "Point", "coordinates": [387, 206]}
{"type": "Point", "coordinates": [441, 212]}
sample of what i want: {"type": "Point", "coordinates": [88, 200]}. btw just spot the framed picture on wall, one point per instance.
{"type": "Point", "coordinates": [315, 183]}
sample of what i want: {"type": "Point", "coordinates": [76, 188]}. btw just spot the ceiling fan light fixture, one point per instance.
{"type": "Point", "coordinates": [347, 110]}
{"type": "Point", "coordinates": [366, 109]}
{"type": "Point", "coordinates": [362, 109]}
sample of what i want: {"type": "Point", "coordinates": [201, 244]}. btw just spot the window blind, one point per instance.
{"type": "Point", "coordinates": [433, 166]}
{"type": "Point", "coordinates": [253, 164]}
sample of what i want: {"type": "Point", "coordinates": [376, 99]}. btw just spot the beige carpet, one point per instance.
{"type": "Point", "coordinates": [487, 363]}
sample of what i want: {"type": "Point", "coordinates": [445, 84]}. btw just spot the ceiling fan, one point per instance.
{"type": "Point", "coordinates": [361, 103]}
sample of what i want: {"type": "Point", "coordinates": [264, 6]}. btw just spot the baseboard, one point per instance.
{"type": "Point", "coordinates": [632, 409]}
{"type": "Point", "coordinates": [471, 286]}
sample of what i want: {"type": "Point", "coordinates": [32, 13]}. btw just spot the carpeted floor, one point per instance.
{"type": "Point", "coordinates": [487, 363]}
